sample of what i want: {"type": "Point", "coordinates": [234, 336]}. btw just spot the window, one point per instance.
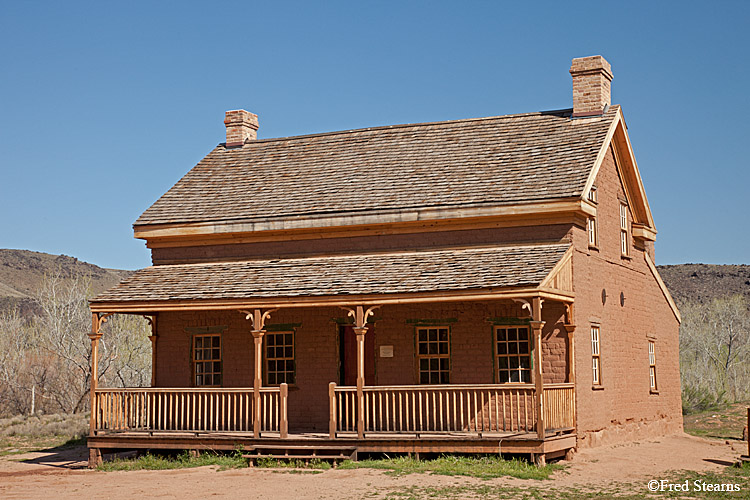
{"type": "Point", "coordinates": [592, 232]}
{"type": "Point", "coordinates": [512, 354]}
{"type": "Point", "coordinates": [595, 357]}
{"type": "Point", "coordinates": [279, 358]}
{"type": "Point", "coordinates": [624, 237]}
{"type": "Point", "coordinates": [652, 363]}
{"type": "Point", "coordinates": [207, 360]}
{"type": "Point", "coordinates": [433, 355]}
{"type": "Point", "coordinates": [592, 196]}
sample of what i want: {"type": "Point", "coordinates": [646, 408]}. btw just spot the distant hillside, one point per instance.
{"type": "Point", "coordinates": [704, 282]}
{"type": "Point", "coordinates": [22, 272]}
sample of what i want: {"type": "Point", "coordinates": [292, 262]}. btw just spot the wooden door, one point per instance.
{"type": "Point", "coordinates": [348, 350]}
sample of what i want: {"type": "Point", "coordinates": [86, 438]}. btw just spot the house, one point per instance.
{"type": "Point", "coordinates": [480, 285]}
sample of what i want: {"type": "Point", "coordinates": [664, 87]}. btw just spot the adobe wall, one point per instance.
{"type": "Point", "coordinates": [317, 349]}
{"type": "Point", "coordinates": [624, 408]}
{"type": "Point", "coordinates": [383, 242]}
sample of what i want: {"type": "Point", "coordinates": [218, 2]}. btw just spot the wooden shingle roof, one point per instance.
{"type": "Point", "coordinates": [342, 275]}
{"type": "Point", "coordinates": [486, 161]}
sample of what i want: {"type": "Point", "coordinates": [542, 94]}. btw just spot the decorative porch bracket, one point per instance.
{"type": "Point", "coordinates": [536, 327]}
{"type": "Point", "coordinates": [258, 319]}
{"type": "Point", "coordinates": [360, 315]}
{"type": "Point", "coordinates": [154, 337]}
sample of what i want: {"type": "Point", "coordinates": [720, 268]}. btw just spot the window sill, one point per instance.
{"type": "Point", "coordinates": [654, 391]}
{"type": "Point", "coordinates": [597, 387]}
{"type": "Point", "coordinates": [626, 257]}
{"type": "Point", "coordinates": [593, 247]}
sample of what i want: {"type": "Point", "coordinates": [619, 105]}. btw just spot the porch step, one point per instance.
{"type": "Point", "coordinates": [303, 452]}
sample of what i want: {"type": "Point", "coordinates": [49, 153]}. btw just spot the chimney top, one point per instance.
{"type": "Point", "coordinates": [241, 126]}
{"type": "Point", "coordinates": [592, 77]}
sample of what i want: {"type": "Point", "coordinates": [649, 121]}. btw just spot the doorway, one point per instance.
{"type": "Point", "coordinates": [348, 356]}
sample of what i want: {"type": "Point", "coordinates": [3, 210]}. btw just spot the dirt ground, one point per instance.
{"type": "Point", "coordinates": [63, 475]}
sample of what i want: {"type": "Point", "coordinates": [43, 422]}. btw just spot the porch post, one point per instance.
{"type": "Point", "coordinates": [154, 337]}
{"type": "Point", "coordinates": [571, 353]}
{"type": "Point", "coordinates": [360, 331]}
{"type": "Point", "coordinates": [258, 338]}
{"type": "Point", "coordinates": [536, 326]}
{"type": "Point", "coordinates": [94, 336]}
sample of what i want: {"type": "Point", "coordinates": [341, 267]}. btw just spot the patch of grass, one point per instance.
{"type": "Point", "coordinates": [724, 423]}
{"type": "Point", "coordinates": [22, 434]}
{"type": "Point", "coordinates": [273, 463]}
{"type": "Point", "coordinates": [486, 467]}
{"type": "Point", "coordinates": [181, 461]}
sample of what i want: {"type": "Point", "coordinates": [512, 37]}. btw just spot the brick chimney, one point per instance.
{"type": "Point", "coordinates": [241, 126]}
{"type": "Point", "coordinates": [592, 78]}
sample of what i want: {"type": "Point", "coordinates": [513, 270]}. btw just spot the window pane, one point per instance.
{"type": "Point", "coordinates": [424, 364]}
{"type": "Point", "coordinates": [289, 365]}
{"type": "Point", "coordinates": [526, 377]}
{"type": "Point", "coordinates": [422, 335]}
{"type": "Point", "coordinates": [501, 334]}
{"type": "Point", "coordinates": [217, 366]}
{"type": "Point", "coordinates": [502, 348]}
{"type": "Point", "coordinates": [443, 348]}
{"type": "Point", "coordinates": [523, 334]}
{"type": "Point", "coordinates": [433, 348]}
{"type": "Point", "coordinates": [216, 354]}
{"type": "Point", "coordinates": [514, 376]}
{"type": "Point", "coordinates": [199, 380]}
{"type": "Point", "coordinates": [503, 377]}
{"type": "Point", "coordinates": [525, 362]}
{"type": "Point", "coordinates": [434, 364]}
{"type": "Point", "coordinates": [198, 342]}
{"type": "Point", "coordinates": [424, 377]}
{"type": "Point", "coordinates": [502, 363]}
{"type": "Point", "coordinates": [512, 348]}
{"type": "Point", "coordinates": [444, 364]}
{"type": "Point", "coordinates": [216, 341]}
{"type": "Point", "coordinates": [433, 335]}
{"type": "Point", "coordinates": [444, 378]}
{"type": "Point", "coordinates": [523, 347]}
{"type": "Point", "coordinates": [443, 335]}
{"type": "Point", "coordinates": [513, 362]}
{"type": "Point", "coordinates": [512, 334]}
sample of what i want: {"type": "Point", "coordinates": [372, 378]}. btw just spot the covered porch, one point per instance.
{"type": "Point", "coordinates": [432, 395]}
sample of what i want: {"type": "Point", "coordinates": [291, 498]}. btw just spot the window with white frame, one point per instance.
{"type": "Point", "coordinates": [592, 196]}
{"type": "Point", "coordinates": [593, 237]}
{"type": "Point", "coordinates": [652, 363]}
{"type": "Point", "coordinates": [512, 354]}
{"type": "Point", "coordinates": [624, 236]}
{"type": "Point", "coordinates": [596, 366]}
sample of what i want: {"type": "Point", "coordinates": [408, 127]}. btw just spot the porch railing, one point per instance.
{"type": "Point", "coordinates": [436, 408]}
{"type": "Point", "coordinates": [559, 406]}
{"type": "Point", "coordinates": [188, 409]}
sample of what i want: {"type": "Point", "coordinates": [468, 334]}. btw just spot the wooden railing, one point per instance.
{"type": "Point", "coordinates": [435, 408]}
{"type": "Point", "coordinates": [559, 406]}
{"type": "Point", "coordinates": [190, 410]}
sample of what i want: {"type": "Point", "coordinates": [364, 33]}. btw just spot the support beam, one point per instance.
{"type": "Point", "coordinates": [536, 326]}
{"type": "Point", "coordinates": [360, 315]}
{"type": "Point", "coordinates": [258, 319]}
{"type": "Point", "coordinates": [97, 320]}
{"type": "Point", "coordinates": [154, 337]}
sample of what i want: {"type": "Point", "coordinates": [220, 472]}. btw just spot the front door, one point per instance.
{"type": "Point", "coordinates": [348, 351]}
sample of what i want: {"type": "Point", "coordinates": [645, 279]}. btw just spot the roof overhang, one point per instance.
{"type": "Point", "coordinates": [371, 222]}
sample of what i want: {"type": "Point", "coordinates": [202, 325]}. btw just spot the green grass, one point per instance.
{"type": "Point", "coordinates": [724, 423]}
{"type": "Point", "coordinates": [483, 467]}
{"type": "Point", "coordinates": [272, 463]}
{"type": "Point", "coordinates": [182, 461]}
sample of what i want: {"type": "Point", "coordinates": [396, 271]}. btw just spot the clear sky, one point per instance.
{"type": "Point", "coordinates": [105, 105]}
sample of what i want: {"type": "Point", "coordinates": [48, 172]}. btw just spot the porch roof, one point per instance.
{"type": "Point", "coordinates": [377, 276]}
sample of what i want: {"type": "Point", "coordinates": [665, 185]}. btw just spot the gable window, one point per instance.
{"type": "Point", "coordinates": [652, 363]}
{"type": "Point", "coordinates": [592, 196]}
{"type": "Point", "coordinates": [279, 358]}
{"type": "Point", "coordinates": [512, 354]}
{"type": "Point", "coordinates": [207, 360]}
{"type": "Point", "coordinates": [624, 236]}
{"type": "Point", "coordinates": [433, 355]}
{"type": "Point", "coordinates": [596, 366]}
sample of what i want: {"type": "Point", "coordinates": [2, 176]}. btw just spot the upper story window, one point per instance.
{"type": "Point", "coordinates": [652, 363]}
{"type": "Point", "coordinates": [279, 358]}
{"type": "Point", "coordinates": [624, 232]}
{"type": "Point", "coordinates": [592, 230]}
{"type": "Point", "coordinates": [207, 360]}
{"type": "Point", "coordinates": [596, 366]}
{"type": "Point", "coordinates": [512, 354]}
{"type": "Point", "coordinates": [433, 355]}
{"type": "Point", "coordinates": [592, 196]}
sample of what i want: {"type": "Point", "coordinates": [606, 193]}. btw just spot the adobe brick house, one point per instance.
{"type": "Point", "coordinates": [480, 285]}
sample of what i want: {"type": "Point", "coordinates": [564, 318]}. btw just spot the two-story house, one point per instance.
{"type": "Point", "coordinates": [480, 285]}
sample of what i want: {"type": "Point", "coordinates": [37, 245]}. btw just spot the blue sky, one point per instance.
{"type": "Point", "coordinates": [105, 105]}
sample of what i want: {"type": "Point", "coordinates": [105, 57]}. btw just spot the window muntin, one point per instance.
{"type": "Point", "coordinates": [624, 236]}
{"type": "Point", "coordinates": [595, 356]}
{"type": "Point", "coordinates": [652, 364]}
{"type": "Point", "coordinates": [207, 360]}
{"type": "Point", "coordinates": [279, 362]}
{"type": "Point", "coordinates": [433, 355]}
{"type": "Point", "coordinates": [512, 354]}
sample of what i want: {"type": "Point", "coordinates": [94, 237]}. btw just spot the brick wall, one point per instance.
{"type": "Point", "coordinates": [624, 409]}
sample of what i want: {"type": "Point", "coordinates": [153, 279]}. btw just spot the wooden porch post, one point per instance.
{"type": "Point", "coordinates": [95, 456]}
{"type": "Point", "coordinates": [257, 381]}
{"type": "Point", "coordinates": [154, 337]}
{"type": "Point", "coordinates": [536, 326]}
{"type": "Point", "coordinates": [360, 331]}
{"type": "Point", "coordinates": [332, 410]}
{"type": "Point", "coordinates": [571, 353]}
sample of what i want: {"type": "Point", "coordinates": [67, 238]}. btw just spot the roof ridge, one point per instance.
{"type": "Point", "coordinates": [406, 125]}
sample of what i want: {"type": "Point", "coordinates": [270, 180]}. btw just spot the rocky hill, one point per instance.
{"type": "Point", "coordinates": [703, 282]}
{"type": "Point", "coordinates": [22, 272]}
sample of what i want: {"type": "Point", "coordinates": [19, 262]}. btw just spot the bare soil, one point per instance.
{"type": "Point", "coordinates": [624, 468]}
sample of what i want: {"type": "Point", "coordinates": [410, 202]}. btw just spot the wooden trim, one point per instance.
{"type": "Point", "coordinates": [663, 287]}
{"type": "Point", "coordinates": [370, 223]}
{"type": "Point", "coordinates": [562, 273]}
{"type": "Point", "coordinates": [438, 356]}
{"type": "Point", "coordinates": [334, 300]}
{"type": "Point", "coordinates": [643, 232]}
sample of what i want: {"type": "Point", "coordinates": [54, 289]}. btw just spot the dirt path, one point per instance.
{"type": "Point", "coordinates": [64, 475]}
